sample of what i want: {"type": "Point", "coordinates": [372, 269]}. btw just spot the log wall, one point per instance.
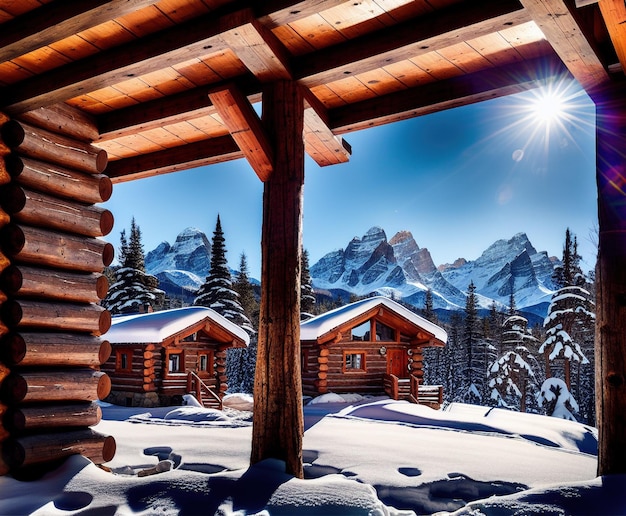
{"type": "Point", "coordinates": [322, 367]}
{"type": "Point", "coordinates": [51, 263]}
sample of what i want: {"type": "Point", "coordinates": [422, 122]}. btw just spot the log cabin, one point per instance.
{"type": "Point", "coordinates": [158, 357]}
{"type": "Point", "coordinates": [105, 91]}
{"type": "Point", "coordinates": [373, 346]}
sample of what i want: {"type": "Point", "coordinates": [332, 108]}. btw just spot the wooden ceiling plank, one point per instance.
{"type": "Point", "coordinates": [206, 152]}
{"type": "Point", "coordinates": [614, 14]}
{"type": "Point", "coordinates": [179, 107]}
{"type": "Point", "coordinates": [274, 13]}
{"type": "Point", "coordinates": [53, 22]}
{"type": "Point", "coordinates": [179, 43]}
{"type": "Point", "coordinates": [245, 127]}
{"type": "Point", "coordinates": [445, 94]}
{"type": "Point", "coordinates": [320, 143]}
{"type": "Point", "coordinates": [561, 30]}
{"type": "Point", "coordinates": [392, 44]}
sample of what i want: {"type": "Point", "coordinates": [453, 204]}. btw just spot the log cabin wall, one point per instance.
{"type": "Point", "coordinates": [146, 381]}
{"type": "Point", "coordinates": [51, 282]}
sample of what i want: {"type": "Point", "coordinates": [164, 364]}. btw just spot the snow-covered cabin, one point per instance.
{"type": "Point", "coordinates": [158, 357]}
{"type": "Point", "coordinates": [373, 346]}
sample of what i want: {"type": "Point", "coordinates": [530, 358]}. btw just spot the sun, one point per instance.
{"type": "Point", "coordinates": [549, 106]}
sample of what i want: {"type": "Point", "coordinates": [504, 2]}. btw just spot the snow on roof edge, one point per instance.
{"type": "Point", "coordinates": [157, 326]}
{"type": "Point", "coordinates": [312, 329]}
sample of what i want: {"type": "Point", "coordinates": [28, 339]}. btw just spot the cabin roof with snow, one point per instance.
{"type": "Point", "coordinates": [325, 326]}
{"type": "Point", "coordinates": [160, 326]}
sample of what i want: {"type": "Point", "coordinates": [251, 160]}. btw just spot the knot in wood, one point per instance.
{"type": "Point", "coordinates": [615, 379]}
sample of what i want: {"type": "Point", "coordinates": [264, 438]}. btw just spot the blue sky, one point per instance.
{"type": "Point", "coordinates": [457, 180]}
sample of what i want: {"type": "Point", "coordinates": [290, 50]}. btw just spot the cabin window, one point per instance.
{"type": "Point", "coordinates": [353, 361]}
{"type": "Point", "coordinates": [191, 338]}
{"type": "Point", "coordinates": [385, 333]}
{"type": "Point", "coordinates": [361, 332]}
{"type": "Point", "coordinates": [205, 362]}
{"type": "Point", "coordinates": [175, 362]}
{"type": "Point", "coordinates": [124, 360]}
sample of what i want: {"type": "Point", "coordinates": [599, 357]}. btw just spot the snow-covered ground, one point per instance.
{"type": "Point", "coordinates": [362, 456]}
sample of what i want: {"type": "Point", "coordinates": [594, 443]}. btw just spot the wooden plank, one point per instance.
{"type": "Point", "coordinates": [56, 21]}
{"type": "Point", "coordinates": [438, 96]}
{"type": "Point", "coordinates": [274, 13]}
{"type": "Point", "coordinates": [208, 152]}
{"type": "Point", "coordinates": [194, 38]}
{"type": "Point", "coordinates": [614, 14]}
{"type": "Point", "coordinates": [392, 44]}
{"type": "Point", "coordinates": [245, 127]}
{"type": "Point", "coordinates": [559, 26]}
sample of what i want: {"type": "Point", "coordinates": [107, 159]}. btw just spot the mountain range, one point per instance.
{"type": "Point", "coordinates": [396, 266]}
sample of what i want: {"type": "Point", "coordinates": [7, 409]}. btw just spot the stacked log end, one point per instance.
{"type": "Point", "coordinates": [51, 283]}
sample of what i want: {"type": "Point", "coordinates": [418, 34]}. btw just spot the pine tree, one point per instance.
{"type": "Point", "coordinates": [515, 377]}
{"type": "Point", "coordinates": [218, 293]}
{"type": "Point", "coordinates": [240, 363]}
{"type": "Point", "coordinates": [307, 299]}
{"type": "Point", "coordinates": [569, 272]}
{"type": "Point", "coordinates": [475, 369]}
{"type": "Point", "coordinates": [133, 290]}
{"type": "Point", "coordinates": [429, 310]}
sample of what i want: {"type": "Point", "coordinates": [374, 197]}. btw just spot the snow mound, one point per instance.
{"type": "Point", "coordinates": [332, 397]}
{"type": "Point", "coordinates": [196, 414]}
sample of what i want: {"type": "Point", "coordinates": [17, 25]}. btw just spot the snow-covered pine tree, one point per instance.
{"type": "Point", "coordinates": [217, 293]}
{"type": "Point", "coordinates": [557, 400]}
{"type": "Point", "coordinates": [476, 361]}
{"type": "Point", "coordinates": [307, 299]}
{"type": "Point", "coordinates": [514, 378]}
{"type": "Point", "coordinates": [133, 290]}
{"type": "Point", "coordinates": [570, 326]}
{"type": "Point", "coordinates": [240, 363]}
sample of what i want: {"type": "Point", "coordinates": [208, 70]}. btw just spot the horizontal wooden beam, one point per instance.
{"type": "Point", "coordinates": [172, 109]}
{"type": "Point", "coordinates": [192, 39]}
{"type": "Point", "coordinates": [259, 50]}
{"type": "Point", "coordinates": [450, 93]}
{"type": "Point", "coordinates": [59, 20]}
{"type": "Point", "coordinates": [246, 129]}
{"type": "Point", "coordinates": [206, 152]}
{"type": "Point", "coordinates": [562, 31]}
{"type": "Point", "coordinates": [614, 14]}
{"type": "Point", "coordinates": [274, 13]}
{"type": "Point", "coordinates": [321, 144]}
{"type": "Point", "coordinates": [440, 29]}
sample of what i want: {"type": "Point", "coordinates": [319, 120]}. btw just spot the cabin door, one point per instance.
{"type": "Point", "coordinates": [397, 362]}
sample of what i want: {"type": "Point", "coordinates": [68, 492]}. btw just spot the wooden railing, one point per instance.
{"type": "Point", "coordinates": [411, 390]}
{"type": "Point", "coordinates": [197, 387]}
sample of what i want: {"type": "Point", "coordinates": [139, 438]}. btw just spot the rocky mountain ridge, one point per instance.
{"type": "Point", "coordinates": [396, 266]}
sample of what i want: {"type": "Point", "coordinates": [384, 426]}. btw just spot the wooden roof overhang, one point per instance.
{"type": "Point", "coordinates": [171, 84]}
{"type": "Point", "coordinates": [217, 333]}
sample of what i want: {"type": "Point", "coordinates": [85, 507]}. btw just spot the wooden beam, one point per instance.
{"type": "Point", "coordinates": [274, 13]}
{"type": "Point", "coordinates": [59, 20]}
{"type": "Point", "coordinates": [246, 129]}
{"type": "Point", "coordinates": [192, 39]}
{"type": "Point", "coordinates": [278, 421]}
{"type": "Point", "coordinates": [610, 336]}
{"type": "Point", "coordinates": [175, 108]}
{"type": "Point", "coordinates": [262, 53]}
{"type": "Point", "coordinates": [614, 14]}
{"type": "Point", "coordinates": [450, 93]}
{"type": "Point", "coordinates": [206, 152]}
{"type": "Point", "coordinates": [562, 31]}
{"type": "Point", "coordinates": [321, 144]}
{"type": "Point", "coordinates": [441, 29]}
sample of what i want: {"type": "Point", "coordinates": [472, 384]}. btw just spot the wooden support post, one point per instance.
{"type": "Point", "coordinates": [610, 337]}
{"type": "Point", "coordinates": [278, 423]}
